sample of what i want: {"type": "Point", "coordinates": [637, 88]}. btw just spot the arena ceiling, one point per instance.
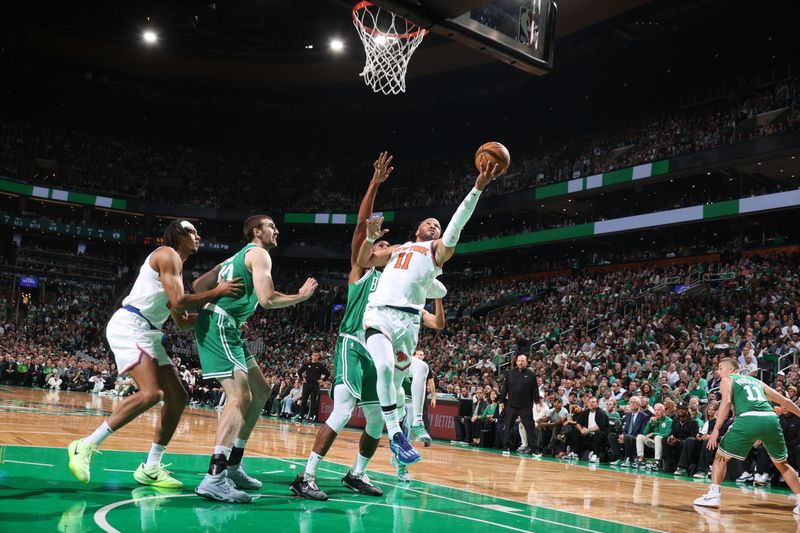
{"type": "Point", "coordinates": [267, 43]}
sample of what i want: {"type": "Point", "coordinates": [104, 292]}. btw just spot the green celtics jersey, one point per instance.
{"type": "Point", "coordinates": [748, 395]}
{"type": "Point", "coordinates": [241, 308]}
{"type": "Point", "coordinates": [357, 296]}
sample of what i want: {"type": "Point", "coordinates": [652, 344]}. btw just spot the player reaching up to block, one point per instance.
{"type": "Point", "coordinates": [354, 372]}
{"type": "Point", "coordinates": [224, 355]}
{"type": "Point", "coordinates": [392, 316]}
{"type": "Point", "coordinates": [755, 421]}
{"type": "Point", "coordinates": [134, 335]}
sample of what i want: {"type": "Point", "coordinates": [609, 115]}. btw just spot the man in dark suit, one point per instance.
{"type": "Point", "coordinates": [632, 425]}
{"type": "Point", "coordinates": [465, 425]}
{"type": "Point", "coordinates": [591, 432]}
{"type": "Point", "coordinates": [517, 395]}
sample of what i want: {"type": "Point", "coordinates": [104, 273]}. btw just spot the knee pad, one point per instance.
{"type": "Point", "coordinates": [343, 405]}
{"type": "Point", "coordinates": [374, 427]}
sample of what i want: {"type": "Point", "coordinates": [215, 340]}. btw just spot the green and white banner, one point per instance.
{"type": "Point", "coordinates": [330, 218]}
{"type": "Point", "coordinates": [34, 191]}
{"type": "Point", "coordinates": [697, 213]}
{"type": "Point", "coordinates": [605, 179]}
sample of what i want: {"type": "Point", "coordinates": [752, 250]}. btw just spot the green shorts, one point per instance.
{"type": "Point", "coordinates": [220, 345]}
{"type": "Point", "coordinates": [353, 368]}
{"type": "Point", "coordinates": [747, 429]}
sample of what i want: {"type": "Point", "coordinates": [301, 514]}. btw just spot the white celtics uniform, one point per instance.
{"type": "Point", "coordinates": [395, 307]}
{"type": "Point", "coordinates": [135, 329]}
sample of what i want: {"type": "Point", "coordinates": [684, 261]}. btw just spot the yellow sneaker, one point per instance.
{"type": "Point", "coordinates": [80, 459]}
{"type": "Point", "coordinates": [156, 476]}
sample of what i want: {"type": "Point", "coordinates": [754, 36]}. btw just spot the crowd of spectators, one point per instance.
{"type": "Point", "coordinates": [237, 178]}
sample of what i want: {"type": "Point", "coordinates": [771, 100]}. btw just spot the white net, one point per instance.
{"type": "Point", "coordinates": [389, 41]}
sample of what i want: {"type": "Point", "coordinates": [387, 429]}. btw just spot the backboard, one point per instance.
{"type": "Point", "coordinates": [519, 32]}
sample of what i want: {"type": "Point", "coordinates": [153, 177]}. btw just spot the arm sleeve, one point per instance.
{"type": "Point", "coordinates": [460, 217]}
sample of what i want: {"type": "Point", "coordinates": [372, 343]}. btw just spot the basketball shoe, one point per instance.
{"type": "Point", "coordinates": [403, 451]}
{"type": "Point", "coordinates": [361, 484]}
{"type": "Point", "coordinates": [241, 480]}
{"type": "Point", "coordinates": [80, 459]}
{"type": "Point", "coordinates": [421, 434]}
{"type": "Point", "coordinates": [307, 488]}
{"type": "Point", "coordinates": [402, 470]}
{"type": "Point", "coordinates": [156, 476]}
{"type": "Point", "coordinates": [220, 488]}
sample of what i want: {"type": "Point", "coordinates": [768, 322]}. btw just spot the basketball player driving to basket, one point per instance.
{"type": "Point", "coordinates": [392, 316]}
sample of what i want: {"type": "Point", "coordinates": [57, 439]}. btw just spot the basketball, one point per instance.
{"type": "Point", "coordinates": [494, 153]}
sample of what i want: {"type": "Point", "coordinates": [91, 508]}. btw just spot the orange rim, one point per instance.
{"type": "Point", "coordinates": [408, 35]}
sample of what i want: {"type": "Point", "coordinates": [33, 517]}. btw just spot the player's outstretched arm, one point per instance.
{"type": "Point", "coordinates": [381, 173]}
{"type": "Point", "coordinates": [785, 403]}
{"type": "Point", "coordinates": [168, 264]}
{"type": "Point", "coordinates": [261, 265]}
{"type": "Point", "coordinates": [367, 257]}
{"type": "Point", "coordinates": [446, 246]}
{"type": "Point", "coordinates": [434, 321]}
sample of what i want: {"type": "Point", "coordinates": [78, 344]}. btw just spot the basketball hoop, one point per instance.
{"type": "Point", "coordinates": [389, 41]}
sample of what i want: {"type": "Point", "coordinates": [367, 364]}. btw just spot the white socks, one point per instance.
{"type": "Point", "coordinates": [155, 455]}
{"type": "Point", "coordinates": [100, 434]}
{"type": "Point", "coordinates": [392, 422]}
{"type": "Point", "coordinates": [222, 450]}
{"type": "Point", "coordinates": [239, 443]}
{"type": "Point", "coordinates": [713, 489]}
{"type": "Point", "coordinates": [360, 465]}
{"type": "Point", "coordinates": [311, 466]}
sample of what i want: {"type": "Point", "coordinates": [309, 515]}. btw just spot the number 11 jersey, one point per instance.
{"type": "Point", "coordinates": [407, 276]}
{"type": "Point", "coordinates": [748, 395]}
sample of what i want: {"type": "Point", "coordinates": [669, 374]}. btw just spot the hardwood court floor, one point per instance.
{"type": "Point", "coordinates": [454, 489]}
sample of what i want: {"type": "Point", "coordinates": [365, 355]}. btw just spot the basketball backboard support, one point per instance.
{"type": "Point", "coordinates": [518, 32]}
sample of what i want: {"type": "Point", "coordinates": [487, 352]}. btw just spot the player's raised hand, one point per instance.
{"type": "Point", "coordinates": [489, 172]}
{"type": "Point", "coordinates": [382, 168]}
{"type": "Point", "coordinates": [233, 288]}
{"type": "Point", "coordinates": [374, 231]}
{"type": "Point", "coordinates": [308, 288]}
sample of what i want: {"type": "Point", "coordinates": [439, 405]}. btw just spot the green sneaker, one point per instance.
{"type": "Point", "coordinates": [80, 459]}
{"type": "Point", "coordinates": [156, 476]}
{"type": "Point", "coordinates": [402, 470]}
{"type": "Point", "coordinates": [421, 435]}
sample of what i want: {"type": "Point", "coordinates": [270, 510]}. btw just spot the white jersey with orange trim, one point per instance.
{"type": "Point", "coordinates": [407, 276]}
{"type": "Point", "coordinates": [148, 295]}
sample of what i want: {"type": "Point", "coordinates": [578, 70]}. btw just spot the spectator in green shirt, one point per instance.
{"type": "Point", "coordinates": [658, 428]}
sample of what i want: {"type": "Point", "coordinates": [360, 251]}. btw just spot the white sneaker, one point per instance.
{"type": "Point", "coordinates": [796, 510]}
{"type": "Point", "coordinates": [221, 489]}
{"type": "Point", "coordinates": [241, 480]}
{"type": "Point", "coordinates": [593, 458]}
{"type": "Point", "coordinates": [708, 500]}
{"type": "Point", "coordinates": [760, 480]}
{"type": "Point", "coordinates": [745, 477]}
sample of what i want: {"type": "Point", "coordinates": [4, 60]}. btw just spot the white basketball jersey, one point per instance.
{"type": "Point", "coordinates": [148, 296]}
{"type": "Point", "coordinates": [407, 276]}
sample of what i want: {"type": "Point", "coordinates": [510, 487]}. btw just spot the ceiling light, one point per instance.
{"type": "Point", "coordinates": [150, 37]}
{"type": "Point", "coordinates": [337, 45]}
